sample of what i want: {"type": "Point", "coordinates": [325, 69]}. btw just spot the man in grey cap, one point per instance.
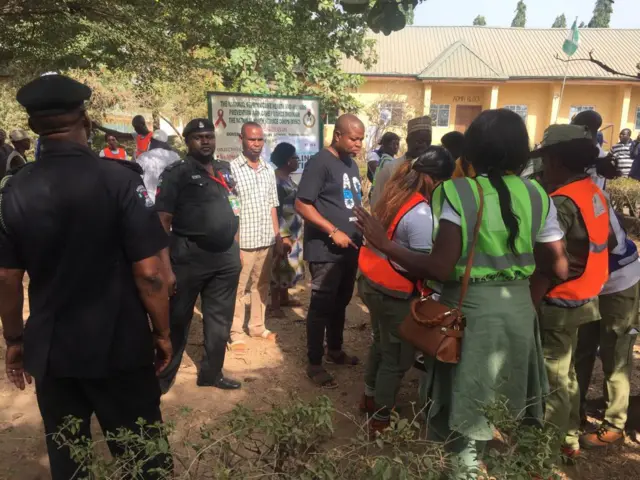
{"type": "Point", "coordinates": [419, 138]}
{"type": "Point", "coordinates": [21, 143]}
{"type": "Point", "coordinates": [90, 240]}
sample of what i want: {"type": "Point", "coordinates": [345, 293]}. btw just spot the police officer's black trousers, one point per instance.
{"type": "Point", "coordinates": [118, 402]}
{"type": "Point", "coordinates": [213, 276]}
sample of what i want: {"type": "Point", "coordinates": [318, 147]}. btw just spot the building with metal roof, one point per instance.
{"type": "Point", "coordinates": [453, 73]}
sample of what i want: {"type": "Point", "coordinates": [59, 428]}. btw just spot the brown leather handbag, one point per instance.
{"type": "Point", "coordinates": [437, 329]}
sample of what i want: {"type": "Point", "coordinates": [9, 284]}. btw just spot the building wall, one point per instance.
{"type": "Point", "coordinates": [407, 94]}
{"type": "Point", "coordinates": [536, 97]}
{"type": "Point", "coordinates": [373, 92]}
{"type": "Point", "coordinates": [455, 95]}
{"type": "Point", "coordinates": [633, 111]}
{"type": "Point", "coordinates": [604, 98]}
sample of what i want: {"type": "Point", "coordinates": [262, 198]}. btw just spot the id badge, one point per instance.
{"type": "Point", "coordinates": [235, 204]}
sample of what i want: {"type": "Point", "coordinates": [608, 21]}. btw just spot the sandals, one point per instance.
{"type": "Point", "coordinates": [267, 335]}
{"type": "Point", "coordinates": [321, 377]}
{"type": "Point", "coordinates": [341, 358]}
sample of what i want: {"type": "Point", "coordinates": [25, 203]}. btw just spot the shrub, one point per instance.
{"type": "Point", "coordinates": [294, 441]}
{"type": "Point", "coordinates": [624, 192]}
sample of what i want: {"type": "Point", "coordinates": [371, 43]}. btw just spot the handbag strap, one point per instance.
{"type": "Point", "coordinates": [472, 247]}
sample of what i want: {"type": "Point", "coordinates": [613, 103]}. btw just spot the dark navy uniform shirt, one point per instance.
{"type": "Point", "coordinates": [200, 204]}
{"type": "Point", "coordinates": [76, 223]}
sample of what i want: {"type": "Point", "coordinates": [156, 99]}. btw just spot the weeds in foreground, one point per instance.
{"type": "Point", "coordinates": [295, 441]}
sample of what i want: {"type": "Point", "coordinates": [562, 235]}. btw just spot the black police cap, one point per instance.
{"type": "Point", "coordinates": [52, 95]}
{"type": "Point", "coordinates": [198, 125]}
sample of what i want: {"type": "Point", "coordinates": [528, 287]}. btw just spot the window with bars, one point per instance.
{"type": "Point", "coordinates": [638, 118]}
{"type": "Point", "coordinates": [395, 111]}
{"type": "Point", "coordinates": [576, 109]}
{"type": "Point", "coordinates": [440, 115]}
{"type": "Point", "coordinates": [521, 110]}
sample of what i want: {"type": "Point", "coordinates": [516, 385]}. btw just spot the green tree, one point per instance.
{"type": "Point", "coordinates": [520, 20]}
{"type": "Point", "coordinates": [287, 47]}
{"type": "Point", "coordinates": [409, 13]}
{"type": "Point", "coordinates": [582, 25]}
{"type": "Point", "coordinates": [480, 21]}
{"type": "Point", "coordinates": [560, 22]}
{"type": "Point", "coordinates": [601, 14]}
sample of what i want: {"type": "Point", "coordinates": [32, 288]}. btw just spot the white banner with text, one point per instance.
{"type": "Point", "coordinates": [295, 120]}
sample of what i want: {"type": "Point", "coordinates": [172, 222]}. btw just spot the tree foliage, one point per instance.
{"type": "Point", "coordinates": [480, 21]}
{"type": "Point", "coordinates": [409, 13]}
{"type": "Point", "coordinates": [288, 47]}
{"type": "Point", "coordinates": [560, 22]}
{"type": "Point", "coordinates": [384, 16]}
{"type": "Point", "coordinates": [520, 20]}
{"type": "Point", "coordinates": [601, 14]}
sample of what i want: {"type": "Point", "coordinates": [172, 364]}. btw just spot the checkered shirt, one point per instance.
{"type": "Point", "coordinates": [258, 194]}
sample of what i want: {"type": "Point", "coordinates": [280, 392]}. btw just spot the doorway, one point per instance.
{"type": "Point", "coordinates": [465, 114]}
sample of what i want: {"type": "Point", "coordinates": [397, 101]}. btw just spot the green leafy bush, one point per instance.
{"type": "Point", "coordinates": [295, 441]}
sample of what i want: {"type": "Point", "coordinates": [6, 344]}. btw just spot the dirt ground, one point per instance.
{"type": "Point", "coordinates": [270, 373]}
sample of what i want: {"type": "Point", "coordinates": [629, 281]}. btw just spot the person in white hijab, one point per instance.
{"type": "Point", "coordinates": [153, 162]}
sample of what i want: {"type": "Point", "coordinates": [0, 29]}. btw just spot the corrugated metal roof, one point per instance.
{"type": "Point", "coordinates": [499, 52]}
{"type": "Point", "coordinates": [459, 61]}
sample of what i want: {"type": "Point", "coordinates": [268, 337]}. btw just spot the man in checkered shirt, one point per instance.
{"type": "Point", "coordinates": [259, 233]}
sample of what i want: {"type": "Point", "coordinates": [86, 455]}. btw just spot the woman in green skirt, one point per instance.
{"type": "Point", "coordinates": [501, 357]}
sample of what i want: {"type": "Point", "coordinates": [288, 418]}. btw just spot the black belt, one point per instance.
{"type": "Point", "coordinates": [201, 244]}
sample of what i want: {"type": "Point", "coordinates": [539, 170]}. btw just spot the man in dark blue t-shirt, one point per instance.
{"type": "Point", "coordinates": [328, 192]}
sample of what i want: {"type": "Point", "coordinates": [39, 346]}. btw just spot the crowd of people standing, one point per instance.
{"type": "Point", "coordinates": [553, 282]}
{"type": "Point", "coordinates": [544, 271]}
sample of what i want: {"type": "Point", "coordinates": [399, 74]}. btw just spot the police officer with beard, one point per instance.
{"type": "Point", "coordinates": [197, 204]}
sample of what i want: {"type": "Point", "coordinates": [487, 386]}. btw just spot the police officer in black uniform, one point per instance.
{"type": "Point", "coordinates": [87, 234]}
{"type": "Point", "coordinates": [196, 202]}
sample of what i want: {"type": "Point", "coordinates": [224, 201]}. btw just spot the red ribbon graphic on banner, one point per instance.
{"type": "Point", "coordinates": [220, 119]}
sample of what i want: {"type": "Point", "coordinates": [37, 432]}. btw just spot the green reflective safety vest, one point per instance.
{"type": "Point", "coordinates": [493, 259]}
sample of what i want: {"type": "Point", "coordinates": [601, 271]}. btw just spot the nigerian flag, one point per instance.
{"type": "Point", "coordinates": [572, 42]}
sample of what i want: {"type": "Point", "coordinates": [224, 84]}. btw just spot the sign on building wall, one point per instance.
{"type": "Point", "coordinates": [295, 120]}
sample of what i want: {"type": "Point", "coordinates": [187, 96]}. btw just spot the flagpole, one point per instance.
{"type": "Point", "coordinates": [564, 84]}
{"type": "Point", "coordinates": [564, 80]}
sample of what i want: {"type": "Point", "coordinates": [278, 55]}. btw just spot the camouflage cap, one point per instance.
{"type": "Point", "coordinates": [556, 134]}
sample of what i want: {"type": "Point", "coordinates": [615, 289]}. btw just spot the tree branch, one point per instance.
{"type": "Point", "coordinates": [599, 63]}
{"type": "Point", "coordinates": [172, 126]}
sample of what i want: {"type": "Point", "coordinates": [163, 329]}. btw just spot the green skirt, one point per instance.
{"type": "Point", "coordinates": [501, 360]}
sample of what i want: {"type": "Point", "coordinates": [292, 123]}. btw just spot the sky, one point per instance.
{"type": "Point", "coordinates": [540, 13]}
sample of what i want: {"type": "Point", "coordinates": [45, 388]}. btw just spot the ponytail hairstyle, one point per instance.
{"type": "Point", "coordinates": [417, 176]}
{"type": "Point", "coordinates": [497, 142]}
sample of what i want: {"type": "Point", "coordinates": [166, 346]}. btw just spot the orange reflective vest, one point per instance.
{"type": "Point", "coordinates": [377, 268]}
{"type": "Point", "coordinates": [121, 155]}
{"type": "Point", "coordinates": [595, 213]}
{"type": "Point", "coordinates": [142, 143]}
